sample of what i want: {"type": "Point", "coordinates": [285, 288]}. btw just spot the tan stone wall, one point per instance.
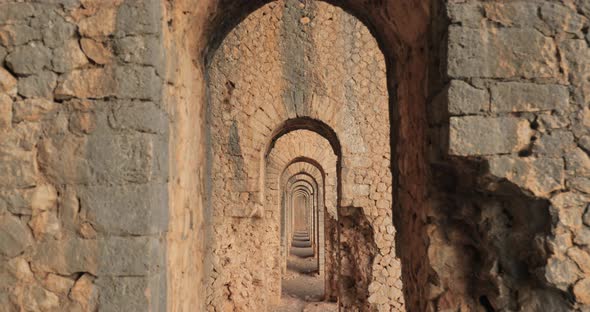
{"type": "Point", "coordinates": [288, 60]}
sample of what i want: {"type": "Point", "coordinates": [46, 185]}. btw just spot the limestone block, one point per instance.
{"type": "Point", "coordinates": [475, 135]}
{"type": "Point", "coordinates": [56, 30]}
{"type": "Point", "coordinates": [35, 109]}
{"type": "Point", "coordinates": [528, 97]}
{"type": "Point", "coordinates": [85, 293]}
{"type": "Point", "coordinates": [101, 24]}
{"type": "Point", "coordinates": [137, 294]}
{"type": "Point", "coordinates": [29, 59]}
{"type": "Point", "coordinates": [143, 50]}
{"type": "Point", "coordinates": [11, 13]}
{"type": "Point", "coordinates": [513, 14]}
{"type": "Point", "coordinates": [86, 83]}
{"type": "Point", "coordinates": [580, 184]}
{"type": "Point", "coordinates": [16, 35]}
{"type": "Point", "coordinates": [138, 116]}
{"type": "Point", "coordinates": [559, 18]}
{"type": "Point", "coordinates": [131, 209]}
{"type": "Point", "coordinates": [463, 99]}
{"type": "Point", "coordinates": [19, 267]}
{"type": "Point", "coordinates": [57, 284]}
{"type": "Point", "coordinates": [96, 51]}
{"type": "Point", "coordinates": [39, 299]}
{"type": "Point", "coordinates": [561, 272]}
{"type": "Point", "coordinates": [581, 258]}
{"type": "Point", "coordinates": [38, 85]}
{"type": "Point", "coordinates": [68, 57]}
{"type": "Point", "coordinates": [578, 163]}
{"type": "Point", "coordinates": [468, 14]}
{"type": "Point", "coordinates": [15, 237]}
{"type": "Point", "coordinates": [67, 256]}
{"type": "Point", "coordinates": [135, 18]}
{"type": "Point", "coordinates": [569, 208]}
{"type": "Point", "coordinates": [501, 53]}
{"type": "Point", "coordinates": [143, 256]}
{"type": "Point", "coordinates": [541, 176]}
{"type": "Point", "coordinates": [17, 169]}
{"type": "Point", "coordinates": [554, 144]}
{"type": "Point", "coordinates": [137, 82]}
{"type": "Point", "coordinates": [63, 161]}
{"type": "Point", "coordinates": [582, 291]}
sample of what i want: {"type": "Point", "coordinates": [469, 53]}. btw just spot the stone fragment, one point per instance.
{"type": "Point", "coordinates": [138, 116]}
{"type": "Point", "coordinates": [29, 59]}
{"type": "Point", "coordinates": [86, 83]}
{"type": "Point", "coordinates": [68, 57]}
{"type": "Point", "coordinates": [582, 291]}
{"type": "Point", "coordinates": [561, 272]}
{"type": "Point", "coordinates": [476, 135]}
{"type": "Point", "coordinates": [464, 99]}
{"type": "Point", "coordinates": [559, 18]}
{"type": "Point", "coordinates": [63, 160]}
{"type": "Point", "coordinates": [582, 236]}
{"type": "Point", "coordinates": [541, 176]}
{"type": "Point", "coordinates": [501, 53]}
{"type": "Point", "coordinates": [101, 24]}
{"type": "Point", "coordinates": [554, 144]}
{"type": "Point", "coordinates": [5, 112]}
{"type": "Point", "coordinates": [528, 97]}
{"type": "Point", "coordinates": [38, 85]}
{"type": "Point", "coordinates": [56, 31]}
{"type": "Point", "coordinates": [467, 14]}
{"type": "Point", "coordinates": [34, 110]}
{"type": "Point", "coordinates": [510, 14]}
{"type": "Point", "coordinates": [580, 184]}
{"type": "Point", "coordinates": [16, 35]}
{"type": "Point", "coordinates": [578, 163]}
{"type": "Point", "coordinates": [19, 267]}
{"type": "Point", "coordinates": [82, 122]}
{"type": "Point", "coordinates": [96, 51]}
{"type": "Point", "coordinates": [84, 292]}
{"type": "Point", "coordinates": [581, 258]}
{"type": "Point", "coordinates": [569, 207]}
{"type": "Point", "coordinates": [57, 284]}
{"type": "Point", "coordinates": [553, 121]}
{"type": "Point", "coordinates": [7, 81]}
{"type": "Point", "coordinates": [14, 236]}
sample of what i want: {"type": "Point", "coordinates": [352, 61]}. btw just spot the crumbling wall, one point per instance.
{"type": "Point", "coordinates": [507, 227]}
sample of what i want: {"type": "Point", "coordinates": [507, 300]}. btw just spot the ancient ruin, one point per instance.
{"type": "Point", "coordinates": [294, 155]}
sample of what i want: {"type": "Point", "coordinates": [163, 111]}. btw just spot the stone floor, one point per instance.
{"type": "Point", "coordinates": [302, 286]}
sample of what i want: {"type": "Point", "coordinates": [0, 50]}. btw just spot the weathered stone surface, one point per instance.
{"type": "Point", "coordinates": [7, 81]}
{"type": "Point", "coordinates": [29, 59]}
{"type": "Point", "coordinates": [15, 237]}
{"type": "Point", "coordinates": [96, 51]}
{"type": "Point", "coordinates": [541, 176]}
{"type": "Point", "coordinates": [138, 116]}
{"type": "Point", "coordinates": [63, 160]}
{"type": "Point", "coordinates": [475, 135]}
{"type": "Point", "coordinates": [101, 24]}
{"type": "Point", "coordinates": [145, 255]}
{"type": "Point", "coordinates": [467, 14]}
{"type": "Point", "coordinates": [67, 256]}
{"type": "Point", "coordinates": [68, 57]}
{"type": "Point", "coordinates": [34, 110]}
{"type": "Point", "coordinates": [554, 144]}
{"type": "Point", "coordinates": [85, 293]}
{"type": "Point", "coordinates": [580, 184]}
{"type": "Point", "coordinates": [560, 18]}
{"type": "Point", "coordinates": [5, 112]}
{"type": "Point", "coordinates": [133, 18]}
{"type": "Point", "coordinates": [561, 272]}
{"type": "Point", "coordinates": [465, 99]}
{"type": "Point", "coordinates": [17, 169]}
{"type": "Point", "coordinates": [82, 122]}
{"type": "Point", "coordinates": [133, 209]}
{"type": "Point", "coordinates": [501, 53]}
{"type": "Point", "coordinates": [582, 291]}
{"type": "Point", "coordinates": [15, 35]}
{"type": "Point", "coordinates": [137, 82]}
{"type": "Point", "coordinates": [578, 163]}
{"type": "Point", "coordinates": [519, 14]}
{"type": "Point", "coordinates": [143, 50]}
{"type": "Point", "coordinates": [57, 284]}
{"type": "Point", "coordinates": [568, 208]}
{"type": "Point", "coordinates": [136, 293]}
{"type": "Point", "coordinates": [581, 258]}
{"type": "Point", "coordinates": [38, 85]}
{"type": "Point", "coordinates": [39, 299]}
{"type": "Point", "coordinates": [11, 13]}
{"type": "Point", "coordinates": [56, 31]}
{"type": "Point", "coordinates": [528, 97]}
{"type": "Point", "coordinates": [86, 83]}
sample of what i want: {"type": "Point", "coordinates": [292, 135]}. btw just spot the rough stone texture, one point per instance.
{"type": "Point", "coordinates": [521, 242]}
